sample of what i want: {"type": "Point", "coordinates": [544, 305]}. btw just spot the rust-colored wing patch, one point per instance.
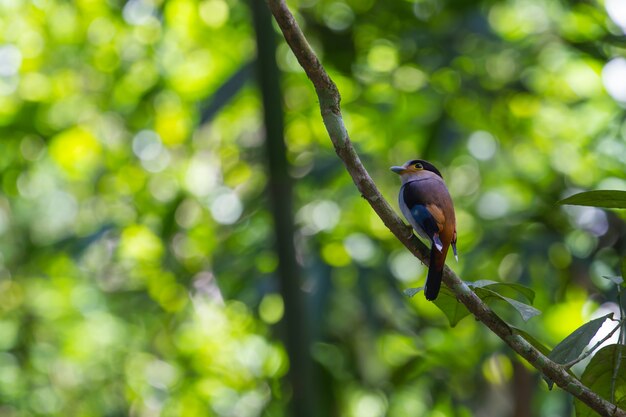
{"type": "Point", "coordinates": [437, 214]}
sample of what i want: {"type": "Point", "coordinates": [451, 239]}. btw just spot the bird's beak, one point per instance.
{"type": "Point", "coordinates": [398, 170]}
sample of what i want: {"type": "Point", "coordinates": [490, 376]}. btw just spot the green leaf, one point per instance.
{"type": "Point", "coordinates": [573, 345]}
{"type": "Point", "coordinates": [525, 311]}
{"type": "Point", "coordinates": [623, 267]}
{"type": "Point", "coordinates": [598, 376]}
{"type": "Point", "coordinates": [486, 290]}
{"type": "Point", "coordinates": [410, 292]}
{"type": "Point", "coordinates": [505, 288]}
{"type": "Point", "coordinates": [446, 302]}
{"type": "Point", "coordinates": [450, 306]}
{"type": "Point", "coordinates": [599, 198]}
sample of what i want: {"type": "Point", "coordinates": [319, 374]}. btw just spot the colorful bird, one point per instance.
{"type": "Point", "coordinates": [426, 203]}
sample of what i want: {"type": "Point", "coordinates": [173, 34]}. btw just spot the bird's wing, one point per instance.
{"type": "Point", "coordinates": [423, 210]}
{"type": "Point", "coordinates": [424, 218]}
{"type": "Point", "coordinates": [437, 214]}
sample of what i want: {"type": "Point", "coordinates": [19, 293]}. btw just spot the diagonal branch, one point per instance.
{"type": "Point", "coordinates": [329, 99]}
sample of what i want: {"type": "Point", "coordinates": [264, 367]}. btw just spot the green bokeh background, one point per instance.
{"type": "Point", "coordinates": [137, 269]}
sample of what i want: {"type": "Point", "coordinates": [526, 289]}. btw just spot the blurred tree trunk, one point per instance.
{"type": "Point", "coordinates": [523, 386]}
{"type": "Point", "coordinates": [297, 333]}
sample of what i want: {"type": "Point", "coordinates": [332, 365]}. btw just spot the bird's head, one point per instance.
{"type": "Point", "coordinates": [416, 169]}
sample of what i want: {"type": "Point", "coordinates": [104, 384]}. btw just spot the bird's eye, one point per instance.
{"type": "Point", "coordinates": [418, 166]}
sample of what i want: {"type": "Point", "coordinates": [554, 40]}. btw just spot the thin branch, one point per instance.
{"type": "Point", "coordinates": [590, 351]}
{"type": "Point", "coordinates": [329, 99]}
{"type": "Point", "coordinates": [618, 359]}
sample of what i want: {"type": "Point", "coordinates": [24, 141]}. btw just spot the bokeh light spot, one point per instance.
{"type": "Point", "coordinates": [493, 205]}
{"type": "Point", "coordinates": [10, 60]}
{"type": "Point", "coordinates": [202, 174]}
{"type": "Point", "coordinates": [409, 79]}
{"type": "Point", "coordinates": [580, 243]}
{"type": "Point", "coordinates": [365, 404]}
{"type": "Point", "coordinates": [510, 268]}
{"type": "Point", "coordinates": [58, 210]}
{"type": "Point", "coordinates": [360, 247]}
{"type": "Point", "coordinates": [325, 215]}
{"type": "Point", "coordinates": [338, 16]}
{"type": "Point", "coordinates": [226, 207]}
{"type": "Point", "coordinates": [188, 213]}
{"type": "Point", "coordinates": [138, 12]}
{"type": "Point", "coordinates": [322, 215]}
{"type": "Point", "coordinates": [76, 151]}
{"type": "Point", "coordinates": [616, 9]}
{"type": "Point", "coordinates": [335, 254]}
{"type": "Point", "coordinates": [614, 79]}
{"type": "Point", "coordinates": [383, 57]}
{"type": "Point", "coordinates": [161, 374]}
{"type": "Point", "coordinates": [482, 145]}
{"type": "Point", "coordinates": [272, 308]}
{"type": "Point", "coordinates": [140, 243]}
{"type": "Point", "coordinates": [214, 13]}
{"type": "Point", "coordinates": [497, 369]}
{"type": "Point", "coordinates": [405, 267]}
{"type": "Point", "coordinates": [147, 145]}
{"type": "Point", "coordinates": [35, 87]}
{"type": "Point", "coordinates": [100, 31]}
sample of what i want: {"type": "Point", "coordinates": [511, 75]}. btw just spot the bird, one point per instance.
{"type": "Point", "coordinates": [425, 201]}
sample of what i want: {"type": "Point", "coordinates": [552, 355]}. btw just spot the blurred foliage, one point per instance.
{"type": "Point", "coordinates": [136, 259]}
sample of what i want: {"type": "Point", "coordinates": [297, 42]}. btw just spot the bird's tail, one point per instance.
{"type": "Point", "coordinates": [435, 272]}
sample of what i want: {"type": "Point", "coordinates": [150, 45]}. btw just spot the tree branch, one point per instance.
{"type": "Point", "coordinates": [329, 100]}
